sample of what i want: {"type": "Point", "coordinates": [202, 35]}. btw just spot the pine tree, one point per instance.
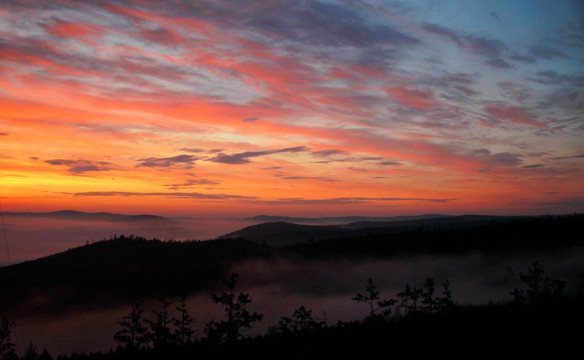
{"type": "Point", "coordinates": [445, 302]}
{"type": "Point", "coordinates": [371, 297]}
{"type": "Point", "coordinates": [45, 355]}
{"type": "Point", "coordinates": [238, 318]}
{"type": "Point", "coordinates": [540, 287]}
{"type": "Point", "coordinates": [7, 347]}
{"type": "Point", "coordinates": [160, 332]}
{"type": "Point", "coordinates": [409, 299]}
{"type": "Point", "coordinates": [301, 322]}
{"type": "Point", "coordinates": [133, 334]}
{"type": "Point", "coordinates": [428, 296]}
{"type": "Point", "coordinates": [183, 332]}
{"type": "Point", "coordinates": [30, 353]}
{"type": "Point", "coordinates": [533, 279]}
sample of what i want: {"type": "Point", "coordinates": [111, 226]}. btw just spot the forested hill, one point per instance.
{"type": "Point", "coordinates": [129, 267]}
{"type": "Point", "coordinates": [283, 233]}
{"type": "Point", "coordinates": [504, 236]}
{"type": "Point", "coordinates": [120, 268]}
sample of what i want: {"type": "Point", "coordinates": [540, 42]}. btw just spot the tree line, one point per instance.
{"type": "Point", "coordinates": [170, 329]}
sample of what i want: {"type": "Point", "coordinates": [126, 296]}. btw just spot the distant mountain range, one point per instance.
{"type": "Point", "coordinates": [80, 215]}
{"type": "Point", "coordinates": [285, 230]}
{"type": "Point", "coordinates": [339, 219]}
{"type": "Point", "coordinates": [280, 231]}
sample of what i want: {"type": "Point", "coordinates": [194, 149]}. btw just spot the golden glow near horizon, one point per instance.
{"type": "Point", "coordinates": [312, 108]}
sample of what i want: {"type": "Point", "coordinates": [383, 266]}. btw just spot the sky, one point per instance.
{"type": "Point", "coordinates": [302, 108]}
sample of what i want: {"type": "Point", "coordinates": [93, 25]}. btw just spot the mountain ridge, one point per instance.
{"type": "Point", "coordinates": [81, 215]}
{"type": "Point", "coordinates": [340, 219]}
{"type": "Point", "coordinates": [284, 233]}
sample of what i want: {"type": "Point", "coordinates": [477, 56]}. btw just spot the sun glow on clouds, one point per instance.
{"type": "Point", "coordinates": [291, 107]}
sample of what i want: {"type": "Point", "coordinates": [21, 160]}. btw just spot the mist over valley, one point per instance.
{"type": "Point", "coordinates": [93, 282]}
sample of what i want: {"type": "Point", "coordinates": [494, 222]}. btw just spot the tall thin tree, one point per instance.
{"type": "Point", "coordinates": [183, 331]}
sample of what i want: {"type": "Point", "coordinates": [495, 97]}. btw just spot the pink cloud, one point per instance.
{"type": "Point", "coordinates": [513, 114]}
{"type": "Point", "coordinates": [67, 29]}
{"type": "Point", "coordinates": [412, 97]}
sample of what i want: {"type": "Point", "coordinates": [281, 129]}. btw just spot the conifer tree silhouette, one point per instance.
{"type": "Point", "coordinates": [133, 333]}
{"type": "Point", "coordinates": [445, 302]}
{"type": "Point", "coordinates": [540, 287]}
{"type": "Point", "coordinates": [301, 322]}
{"type": "Point", "coordinates": [533, 279]}
{"type": "Point", "coordinates": [409, 299]}
{"type": "Point", "coordinates": [30, 353]}
{"type": "Point", "coordinates": [160, 332]}
{"type": "Point", "coordinates": [45, 355]}
{"type": "Point", "coordinates": [238, 317]}
{"type": "Point", "coordinates": [428, 301]}
{"type": "Point", "coordinates": [183, 332]}
{"type": "Point", "coordinates": [7, 347]}
{"type": "Point", "coordinates": [371, 297]}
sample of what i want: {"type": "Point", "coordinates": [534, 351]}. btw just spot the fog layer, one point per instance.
{"type": "Point", "coordinates": [29, 238]}
{"type": "Point", "coordinates": [279, 286]}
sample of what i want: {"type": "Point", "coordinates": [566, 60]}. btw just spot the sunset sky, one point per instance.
{"type": "Point", "coordinates": [303, 108]}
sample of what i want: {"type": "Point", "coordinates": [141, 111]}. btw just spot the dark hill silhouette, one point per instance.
{"type": "Point", "coordinates": [339, 219]}
{"type": "Point", "coordinates": [440, 222]}
{"type": "Point", "coordinates": [287, 233]}
{"type": "Point", "coordinates": [121, 268]}
{"type": "Point", "coordinates": [489, 236]}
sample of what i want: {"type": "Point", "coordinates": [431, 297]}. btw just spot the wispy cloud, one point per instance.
{"type": "Point", "coordinates": [328, 153]}
{"type": "Point", "coordinates": [192, 182]}
{"type": "Point", "coordinates": [579, 156]}
{"type": "Point", "coordinates": [184, 161]}
{"type": "Point", "coordinates": [193, 150]}
{"type": "Point", "coordinates": [185, 195]}
{"type": "Point", "coordinates": [491, 50]}
{"type": "Point", "coordinates": [243, 157]}
{"type": "Point", "coordinates": [412, 97]}
{"type": "Point", "coordinates": [552, 77]}
{"type": "Point", "coordinates": [498, 159]}
{"type": "Point", "coordinates": [81, 166]}
{"type": "Point", "coordinates": [352, 200]}
{"type": "Point", "coordinates": [545, 52]}
{"type": "Point", "coordinates": [514, 91]}
{"type": "Point", "coordinates": [512, 114]}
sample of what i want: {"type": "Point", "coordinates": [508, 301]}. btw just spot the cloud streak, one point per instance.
{"type": "Point", "coordinates": [184, 195]}
{"type": "Point", "coordinates": [81, 166]}
{"type": "Point", "coordinates": [352, 200]}
{"type": "Point", "coordinates": [243, 158]}
{"type": "Point", "coordinates": [185, 161]}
